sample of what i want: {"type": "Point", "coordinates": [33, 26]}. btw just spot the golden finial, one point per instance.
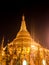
{"type": "Point", "coordinates": [23, 24]}
{"type": "Point", "coordinates": [23, 18]}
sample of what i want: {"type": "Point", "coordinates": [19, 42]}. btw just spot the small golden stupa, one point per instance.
{"type": "Point", "coordinates": [23, 50]}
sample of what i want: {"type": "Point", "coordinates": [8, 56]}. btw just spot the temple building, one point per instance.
{"type": "Point", "coordinates": [23, 50]}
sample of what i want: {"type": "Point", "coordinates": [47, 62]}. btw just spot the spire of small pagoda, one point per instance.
{"type": "Point", "coordinates": [23, 24]}
{"type": "Point", "coordinates": [2, 45]}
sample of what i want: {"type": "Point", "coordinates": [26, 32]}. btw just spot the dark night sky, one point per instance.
{"type": "Point", "coordinates": [37, 19]}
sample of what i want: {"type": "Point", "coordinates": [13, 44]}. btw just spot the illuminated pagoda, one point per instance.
{"type": "Point", "coordinates": [23, 50]}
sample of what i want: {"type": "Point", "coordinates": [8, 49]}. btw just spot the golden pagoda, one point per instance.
{"type": "Point", "coordinates": [23, 50]}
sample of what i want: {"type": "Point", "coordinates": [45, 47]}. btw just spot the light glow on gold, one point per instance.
{"type": "Point", "coordinates": [44, 62]}
{"type": "Point", "coordinates": [24, 62]}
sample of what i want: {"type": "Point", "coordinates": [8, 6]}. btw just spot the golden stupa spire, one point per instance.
{"type": "Point", "coordinates": [2, 43]}
{"type": "Point", "coordinates": [23, 24]}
